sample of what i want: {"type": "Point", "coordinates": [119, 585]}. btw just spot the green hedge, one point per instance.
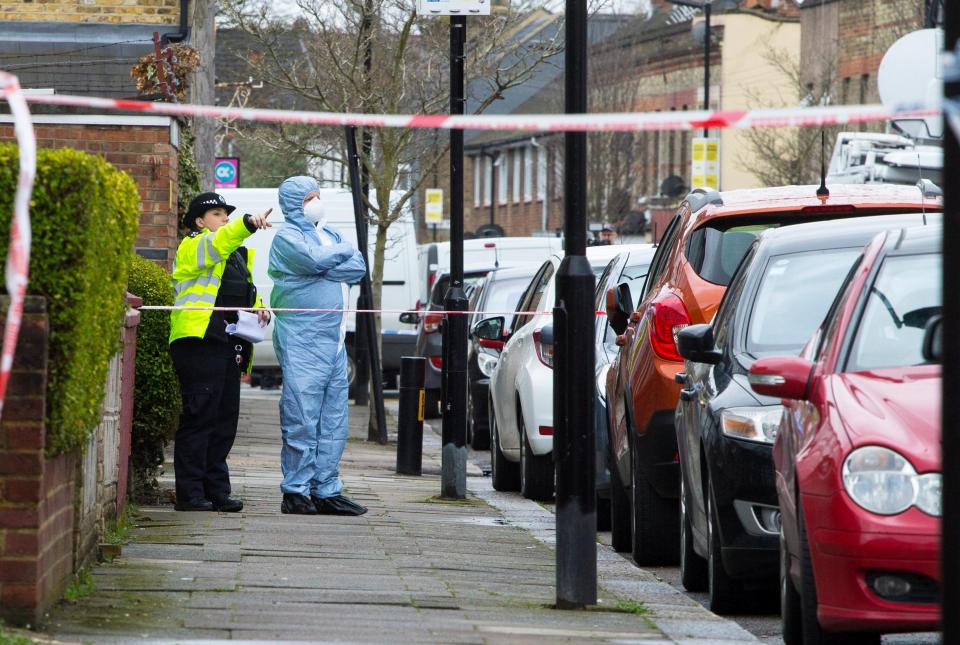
{"type": "Point", "coordinates": [84, 215]}
{"type": "Point", "coordinates": [157, 403]}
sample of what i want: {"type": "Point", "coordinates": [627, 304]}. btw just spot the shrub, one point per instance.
{"type": "Point", "coordinates": [157, 394]}
{"type": "Point", "coordinates": [84, 215]}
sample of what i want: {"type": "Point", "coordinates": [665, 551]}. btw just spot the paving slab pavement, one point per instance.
{"type": "Point", "coordinates": [413, 570]}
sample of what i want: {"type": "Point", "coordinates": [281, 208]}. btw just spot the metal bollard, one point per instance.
{"type": "Point", "coordinates": [410, 427]}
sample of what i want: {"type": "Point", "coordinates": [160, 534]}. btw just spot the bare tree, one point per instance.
{"type": "Point", "coordinates": [408, 74]}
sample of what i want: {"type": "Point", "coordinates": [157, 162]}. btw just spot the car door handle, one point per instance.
{"type": "Point", "coordinates": [687, 395]}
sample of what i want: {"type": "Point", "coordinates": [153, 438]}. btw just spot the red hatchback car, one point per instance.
{"type": "Point", "coordinates": [857, 454]}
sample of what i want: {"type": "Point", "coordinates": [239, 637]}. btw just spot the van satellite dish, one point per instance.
{"type": "Point", "coordinates": [910, 75]}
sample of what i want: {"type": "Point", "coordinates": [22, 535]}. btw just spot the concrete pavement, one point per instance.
{"type": "Point", "coordinates": [414, 569]}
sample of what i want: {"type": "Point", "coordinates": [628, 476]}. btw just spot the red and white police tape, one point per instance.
{"type": "Point", "coordinates": [294, 310]}
{"type": "Point", "coordinates": [593, 122]}
{"type": "Point", "coordinates": [18, 255]}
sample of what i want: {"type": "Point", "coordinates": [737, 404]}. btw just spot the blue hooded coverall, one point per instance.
{"type": "Point", "coordinates": [308, 272]}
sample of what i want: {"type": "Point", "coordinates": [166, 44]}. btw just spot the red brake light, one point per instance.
{"type": "Point", "coordinates": [490, 245]}
{"type": "Point", "coordinates": [544, 351]}
{"type": "Point", "coordinates": [437, 362]}
{"type": "Point", "coordinates": [431, 322]}
{"type": "Point", "coordinates": [546, 431]}
{"type": "Point", "coordinates": [829, 208]}
{"type": "Point", "coordinates": [669, 317]}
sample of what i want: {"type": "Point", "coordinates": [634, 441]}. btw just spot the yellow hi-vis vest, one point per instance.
{"type": "Point", "coordinates": [197, 270]}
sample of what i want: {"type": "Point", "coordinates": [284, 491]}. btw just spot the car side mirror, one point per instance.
{"type": "Point", "coordinates": [489, 332]}
{"type": "Point", "coordinates": [410, 318]}
{"type": "Point", "coordinates": [619, 303]}
{"type": "Point", "coordinates": [933, 340]}
{"type": "Point", "coordinates": [782, 377]}
{"type": "Point", "coordinates": [695, 343]}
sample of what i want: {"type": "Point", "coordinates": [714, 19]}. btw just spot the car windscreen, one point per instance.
{"type": "Point", "coordinates": [714, 251]}
{"type": "Point", "coordinates": [504, 295]}
{"type": "Point", "coordinates": [794, 295]}
{"type": "Point", "coordinates": [905, 295]}
{"type": "Point", "coordinates": [470, 281]}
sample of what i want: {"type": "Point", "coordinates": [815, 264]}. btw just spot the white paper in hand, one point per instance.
{"type": "Point", "coordinates": [247, 327]}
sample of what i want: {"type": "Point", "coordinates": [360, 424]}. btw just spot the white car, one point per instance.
{"type": "Point", "coordinates": [521, 388]}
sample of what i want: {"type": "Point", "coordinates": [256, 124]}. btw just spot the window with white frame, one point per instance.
{"type": "Point", "coordinates": [517, 170]}
{"type": "Point", "coordinates": [477, 179]}
{"type": "Point", "coordinates": [503, 176]}
{"type": "Point", "coordinates": [541, 174]}
{"type": "Point", "coordinates": [528, 175]}
{"type": "Point", "coordinates": [487, 180]}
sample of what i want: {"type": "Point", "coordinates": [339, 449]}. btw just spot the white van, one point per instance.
{"type": "Point", "coordinates": [434, 257]}
{"type": "Point", "coordinates": [400, 284]}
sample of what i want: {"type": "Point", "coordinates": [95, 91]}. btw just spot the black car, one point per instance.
{"type": "Point", "coordinates": [498, 294]}
{"type": "Point", "coordinates": [783, 288]}
{"type": "Point", "coordinates": [630, 269]}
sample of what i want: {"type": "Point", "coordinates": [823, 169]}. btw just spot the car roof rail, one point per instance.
{"type": "Point", "coordinates": [700, 197]}
{"type": "Point", "coordinates": [929, 189]}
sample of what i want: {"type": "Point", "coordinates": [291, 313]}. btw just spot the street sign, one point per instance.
{"type": "Point", "coordinates": [453, 7]}
{"type": "Point", "coordinates": [705, 163]}
{"type": "Point", "coordinates": [434, 206]}
{"type": "Point", "coordinates": [226, 172]}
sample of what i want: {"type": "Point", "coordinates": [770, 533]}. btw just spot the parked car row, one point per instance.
{"type": "Point", "coordinates": [812, 488]}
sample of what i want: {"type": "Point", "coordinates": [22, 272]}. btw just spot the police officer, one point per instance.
{"type": "Point", "coordinates": [211, 269]}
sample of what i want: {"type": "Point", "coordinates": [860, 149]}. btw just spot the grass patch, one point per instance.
{"type": "Point", "coordinates": [80, 587]}
{"type": "Point", "coordinates": [633, 607]}
{"type": "Point", "coordinates": [118, 530]}
{"type": "Point", "coordinates": [8, 637]}
{"type": "Point", "coordinates": [469, 501]}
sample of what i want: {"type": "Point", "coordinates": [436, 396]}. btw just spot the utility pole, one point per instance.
{"type": "Point", "coordinates": [574, 445]}
{"type": "Point", "coordinates": [950, 420]}
{"type": "Point", "coordinates": [453, 481]}
{"type": "Point", "coordinates": [202, 90]}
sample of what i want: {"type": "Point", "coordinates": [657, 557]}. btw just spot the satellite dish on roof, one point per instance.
{"type": "Point", "coordinates": [911, 75]}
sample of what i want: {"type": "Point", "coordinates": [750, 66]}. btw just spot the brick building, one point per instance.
{"type": "Point", "coordinates": [843, 42]}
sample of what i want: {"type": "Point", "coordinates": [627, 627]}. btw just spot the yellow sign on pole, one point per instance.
{"type": "Point", "coordinates": [705, 163]}
{"type": "Point", "coordinates": [433, 212]}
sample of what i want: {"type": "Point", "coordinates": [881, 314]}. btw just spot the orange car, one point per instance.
{"type": "Point", "coordinates": [699, 251]}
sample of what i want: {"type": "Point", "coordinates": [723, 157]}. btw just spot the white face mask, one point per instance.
{"type": "Point", "coordinates": [315, 212]}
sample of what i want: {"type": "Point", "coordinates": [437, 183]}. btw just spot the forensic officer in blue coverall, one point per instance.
{"type": "Point", "coordinates": [311, 267]}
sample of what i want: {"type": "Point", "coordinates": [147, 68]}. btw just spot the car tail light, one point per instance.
{"type": "Point", "coordinates": [431, 322]}
{"type": "Point", "coordinates": [669, 317]}
{"type": "Point", "coordinates": [546, 431]}
{"type": "Point", "coordinates": [437, 362]}
{"type": "Point", "coordinates": [544, 350]}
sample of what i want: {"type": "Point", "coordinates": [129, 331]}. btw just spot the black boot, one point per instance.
{"type": "Point", "coordinates": [294, 504]}
{"type": "Point", "coordinates": [337, 505]}
{"type": "Point", "coordinates": [194, 504]}
{"type": "Point", "coordinates": [227, 504]}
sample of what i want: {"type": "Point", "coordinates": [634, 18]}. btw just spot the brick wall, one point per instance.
{"type": "Point", "coordinates": [36, 493]}
{"type": "Point", "coordinates": [145, 152]}
{"type": "Point", "coordinates": [151, 12]}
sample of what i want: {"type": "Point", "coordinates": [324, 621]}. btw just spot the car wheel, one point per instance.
{"type": "Point", "coordinates": [431, 404]}
{"type": "Point", "coordinates": [790, 612]}
{"type": "Point", "coordinates": [813, 633]}
{"type": "Point", "coordinates": [693, 568]}
{"type": "Point", "coordinates": [655, 520]}
{"type": "Point", "coordinates": [603, 514]}
{"type": "Point", "coordinates": [505, 473]}
{"type": "Point", "coordinates": [620, 531]}
{"type": "Point", "coordinates": [536, 471]}
{"type": "Point", "coordinates": [726, 594]}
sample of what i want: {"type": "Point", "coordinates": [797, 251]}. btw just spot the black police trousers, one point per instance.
{"type": "Point", "coordinates": [210, 387]}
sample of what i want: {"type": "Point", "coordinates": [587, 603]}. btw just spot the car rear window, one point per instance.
{"type": "Point", "coordinates": [503, 296]}
{"type": "Point", "coordinates": [794, 295]}
{"type": "Point", "coordinates": [470, 282]}
{"type": "Point", "coordinates": [715, 250]}
{"type": "Point", "coordinates": [906, 294]}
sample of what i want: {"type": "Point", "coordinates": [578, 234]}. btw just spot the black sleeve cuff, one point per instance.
{"type": "Point", "coordinates": [248, 223]}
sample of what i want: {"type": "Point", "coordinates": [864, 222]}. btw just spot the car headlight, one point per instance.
{"type": "Point", "coordinates": [752, 424]}
{"type": "Point", "coordinates": [884, 482]}
{"type": "Point", "coordinates": [486, 363]}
